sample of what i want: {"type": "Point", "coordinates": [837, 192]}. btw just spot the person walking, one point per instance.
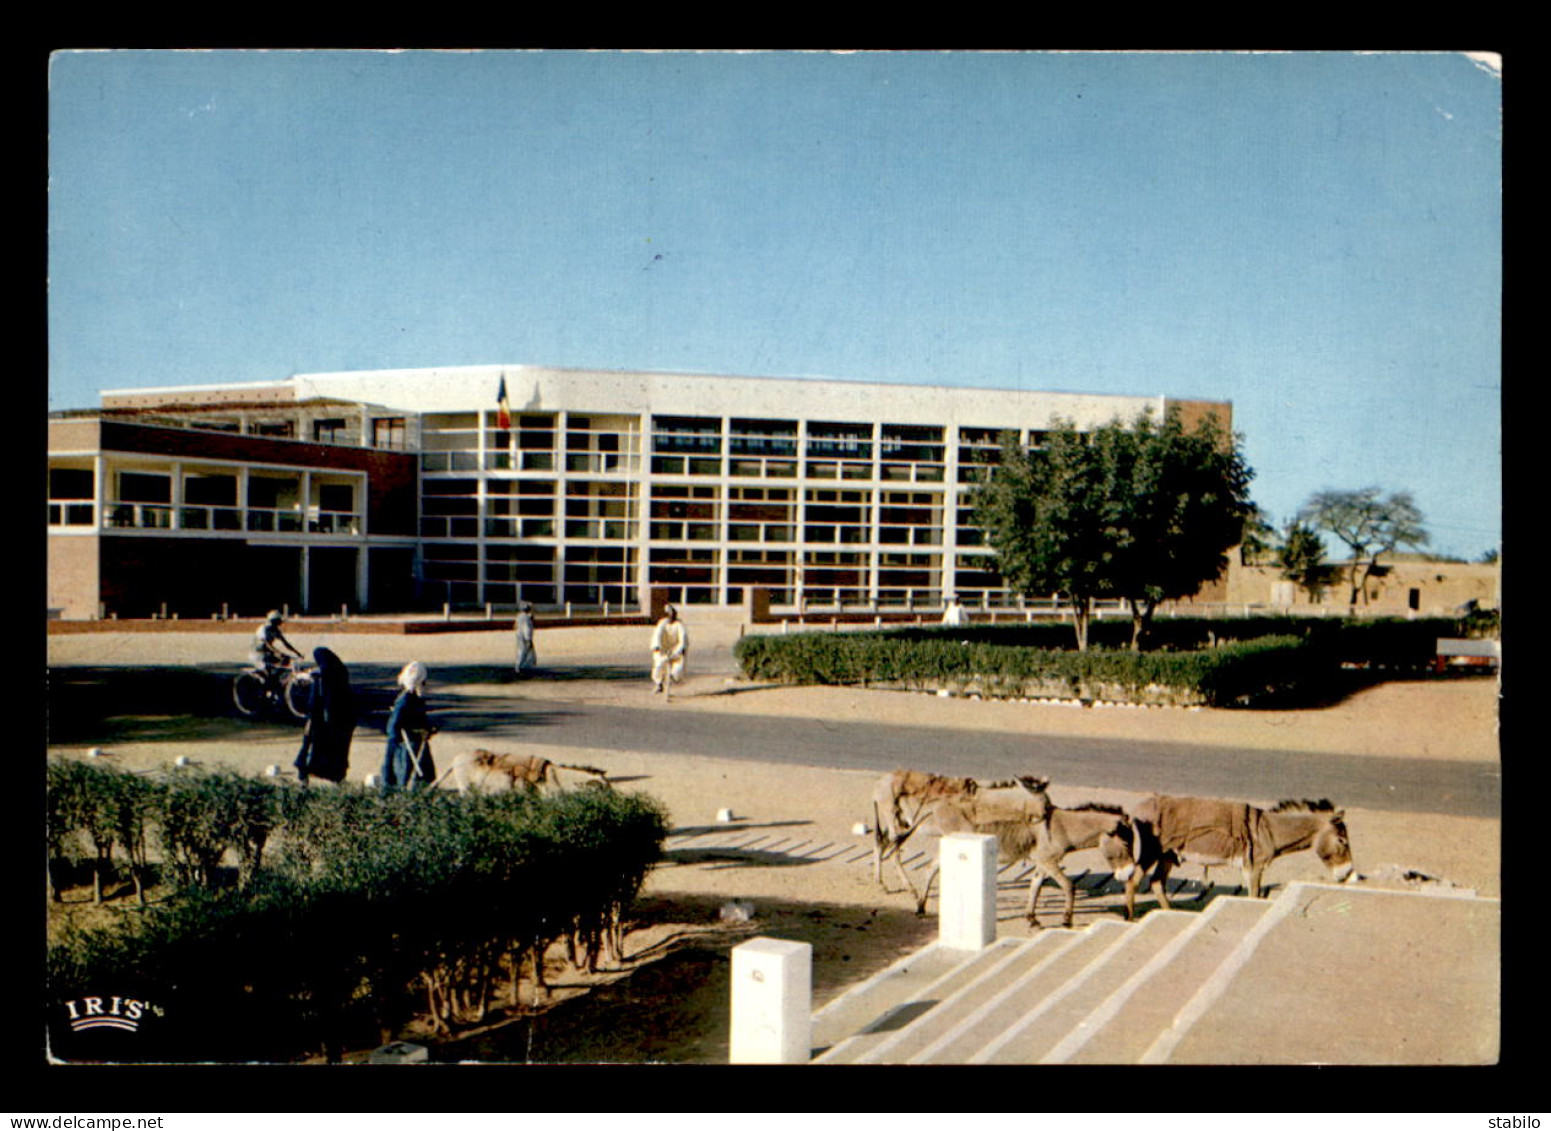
{"type": "Point", "coordinates": [407, 762]}
{"type": "Point", "coordinates": [527, 654]}
{"type": "Point", "coordinates": [670, 642]}
{"type": "Point", "coordinates": [331, 719]}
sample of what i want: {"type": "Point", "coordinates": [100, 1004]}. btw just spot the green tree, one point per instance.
{"type": "Point", "coordinates": [1178, 501]}
{"type": "Point", "coordinates": [1259, 541]}
{"type": "Point", "coordinates": [1301, 558]}
{"type": "Point", "coordinates": [1369, 523]}
{"type": "Point", "coordinates": [1043, 513]}
{"type": "Point", "coordinates": [1144, 512]}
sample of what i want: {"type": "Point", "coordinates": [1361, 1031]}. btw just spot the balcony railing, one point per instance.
{"type": "Point", "coordinates": [65, 512]}
{"type": "Point", "coordinates": [163, 516]}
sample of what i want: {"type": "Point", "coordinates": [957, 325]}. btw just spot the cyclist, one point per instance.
{"type": "Point", "coordinates": [266, 653]}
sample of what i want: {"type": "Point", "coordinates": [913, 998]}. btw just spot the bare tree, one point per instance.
{"type": "Point", "coordinates": [1369, 523]}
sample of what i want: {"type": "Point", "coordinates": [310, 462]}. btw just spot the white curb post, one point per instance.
{"type": "Point", "coordinates": [772, 1002]}
{"type": "Point", "coordinates": [966, 907]}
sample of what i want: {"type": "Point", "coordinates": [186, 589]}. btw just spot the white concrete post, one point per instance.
{"type": "Point", "coordinates": [772, 1002]}
{"type": "Point", "coordinates": [966, 908]}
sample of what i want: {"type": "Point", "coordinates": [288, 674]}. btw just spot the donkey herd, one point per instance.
{"type": "Point", "coordinates": [1158, 834]}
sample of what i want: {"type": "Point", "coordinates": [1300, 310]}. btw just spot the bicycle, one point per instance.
{"type": "Point", "coordinates": [284, 688]}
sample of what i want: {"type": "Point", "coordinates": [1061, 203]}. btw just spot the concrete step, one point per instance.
{"type": "Point", "coordinates": [1063, 958]}
{"type": "Point", "coordinates": [1382, 978]}
{"type": "Point", "coordinates": [1319, 974]}
{"type": "Point", "coordinates": [1051, 1016]}
{"type": "Point", "coordinates": [1028, 955]}
{"type": "Point", "coordinates": [1122, 1027]}
{"type": "Point", "coordinates": [869, 1013]}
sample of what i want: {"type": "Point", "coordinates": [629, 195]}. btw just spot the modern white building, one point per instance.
{"type": "Point", "coordinates": [597, 486]}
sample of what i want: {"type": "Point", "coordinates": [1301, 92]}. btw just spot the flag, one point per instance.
{"type": "Point", "coordinates": [503, 412]}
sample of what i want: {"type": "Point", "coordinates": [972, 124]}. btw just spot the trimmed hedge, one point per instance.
{"type": "Point", "coordinates": [367, 911]}
{"type": "Point", "coordinates": [1394, 639]}
{"type": "Point", "coordinates": [1190, 662]}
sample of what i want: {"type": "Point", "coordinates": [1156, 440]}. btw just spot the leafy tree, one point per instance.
{"type": "Point", "coordinates": [1259, 540]}
{"type": "Point", "coordinates": [1369, 523]}
{"type": "Point", "coordinates": [1144, 512]}
{"type": "Point", "coordinates": [1301, 557]}
{"type": "Point", "coordinates": [1043, 513]}
{"type": "Point", "coordinates": [1178, 500]}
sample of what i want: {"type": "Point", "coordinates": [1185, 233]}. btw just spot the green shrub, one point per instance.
{"type": "Point", "coordinates": [917, 660]}
{"type": "Point", "coordinates": [367, 902]}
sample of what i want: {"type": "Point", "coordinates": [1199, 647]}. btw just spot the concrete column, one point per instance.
{"type": "Point", "coordinates": [175, 519]}
{"type": "Point", "coordinates": [772, 1002]}
{"type": "Point", "coordinates": [967, 904]}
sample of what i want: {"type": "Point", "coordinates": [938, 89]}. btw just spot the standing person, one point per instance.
{"type": "Point", "coordinates": [325, 751]}
{"type": "Point", "coordinates": [670, 641]}
{"type": "Point", "coordinates": [527, 654]}
{"type": "Point", "coordinates": [406, 763]}
{"type": "Point", "coordinates": [954, 613]}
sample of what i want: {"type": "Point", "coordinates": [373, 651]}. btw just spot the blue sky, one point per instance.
{"type": "Point", "coordinates": [1313, 236]}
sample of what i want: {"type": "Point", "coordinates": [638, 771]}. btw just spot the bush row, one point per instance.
{"type": "Point", "coordinates": [1219, 676]}
{"type": "Point", "coordinates": [1368, 639]}
{"type": "Point", "coordinates": [1187, 661]}
{"type": "Point", "coordinates": [366, 911]}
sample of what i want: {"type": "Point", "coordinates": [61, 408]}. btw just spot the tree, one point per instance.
{"type": "Point", "coordinates": [1370, 525]}
{"type": "Point", "coordinates": [1259, 540]}
{"type": "Point", "coordinates": [1144, 512]}
{"type": "Point", "coordinates": [1178, 502]}
{"type": "Point", "coordinates": [1301, 557]}
{"type": "Point", "coordinates": [1042, 512]}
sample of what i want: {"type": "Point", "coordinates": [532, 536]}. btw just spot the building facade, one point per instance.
{"type": "Point", "coordinates": [583, 487]}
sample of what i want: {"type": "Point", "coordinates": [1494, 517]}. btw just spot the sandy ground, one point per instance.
{"type": "Point", "coordinates": [793, 851]}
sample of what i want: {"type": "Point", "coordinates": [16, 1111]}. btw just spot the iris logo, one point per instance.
{"type": "Point", "coordinates": [109, 1013]}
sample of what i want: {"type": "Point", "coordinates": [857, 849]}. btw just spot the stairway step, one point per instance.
{"type": "Point", "coordinates": [953, 1009]}
{"type": "Point", "coordinates": [1044, 1027]}
{"type": "Point", "coordinates": [1008, 1005]}
{"type": "Point", "coordinates": [1396, 977]}
{"type": "Point", "coordinates": [868, 1015]}
{"type": "Point", "coordinates": [1126, 1023]}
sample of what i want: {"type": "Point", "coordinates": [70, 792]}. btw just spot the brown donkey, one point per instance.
{"type": "Point", "coordinates": [1045, 839]}
{"type": "Point", "coordinates": [1174, 830]}
{"type": "Point", "coordinates": [908, 802]}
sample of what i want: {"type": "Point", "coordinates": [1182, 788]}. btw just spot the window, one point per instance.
{"type": "Point", "coordinates": [140, 487]}
{"type": "Point", "coordinates": [284, 429]}
{"type": "Point", "coordinates": [264, 491]}
{"type": "Point", "coordinates": [336, 497]}
{"type": "Point", "coordinates": [70, 483]}
{"type": "Point", "coordinates": [210, 490]}
{"type": "Point", "coordinates": [330, 431]}
{"type": "Point", "coordinates": [388, 432]}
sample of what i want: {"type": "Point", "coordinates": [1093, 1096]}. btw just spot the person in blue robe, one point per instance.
{"type": "Point", "coordinates": [407, 762]}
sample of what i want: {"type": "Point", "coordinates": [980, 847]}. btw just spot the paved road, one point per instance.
{"type": "Point", "coordinates": [90, 705]}
{"type": "Point", "coordinates": [1467, 789]}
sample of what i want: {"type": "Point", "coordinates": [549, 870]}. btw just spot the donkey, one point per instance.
{"type": "Point", "coordinates": [1105, 827]}
{"type": "Point", "coordinates": [907, 802]}
{"type": "Point", "coordinates": [1046, 839]}
{"type": "Point", "coordinates": [485, 771]}
{"type": "Point", "coordinates": [1174, 830]}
